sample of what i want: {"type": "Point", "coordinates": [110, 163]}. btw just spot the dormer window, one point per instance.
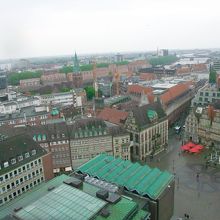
{"type": "Point", "coordinates": [52, 136]}
{"type": "Point", "coordinates": [6, 164]}
{"type": "Point", "coordinates": [27, 155]}
{"type": "Point", "coordinates": [13, 161]}
{"type": "Point", "coordinates": [63, 135]}
{"type": "Point", "coordinates": [33, 152]}
{"type": "Point", "coordinates": [20, 158]}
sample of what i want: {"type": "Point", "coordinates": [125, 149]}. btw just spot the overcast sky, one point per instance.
{"type": "Point", "coordinates": [32, 28]}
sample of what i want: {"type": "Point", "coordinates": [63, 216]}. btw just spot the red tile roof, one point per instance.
{"type": "Point", "coordinates": [113, 115]}
{"type": "Point", "coordinates": [139, 89]}
{"type": "Point", "coordinates": [174, 92]}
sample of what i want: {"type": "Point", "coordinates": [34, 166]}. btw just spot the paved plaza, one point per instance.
{"type": "Point", "coordinates": [197, 191]}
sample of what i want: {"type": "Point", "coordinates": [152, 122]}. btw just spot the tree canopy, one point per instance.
{"type": "Point", "coordinates": [212, 76]}
{"type": "Point", "coordinates": [14, 78]}
{"type": "Point", "coordinates": [166, 60]}
{"type": "Point", "coordinates": [90, 92]}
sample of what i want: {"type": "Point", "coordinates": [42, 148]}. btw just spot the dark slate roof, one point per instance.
{"type": "Point", "coordinates": [140, 114]}
{"type": "Point", "coordinates": [16, 146]}
{"type": "Point", "coordinates": [117, 131]}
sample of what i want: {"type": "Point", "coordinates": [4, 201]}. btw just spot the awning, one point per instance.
{"type": "Point", "coordinates": [200, 147]}
{"type": "Point", "coordinates": [194, 150]}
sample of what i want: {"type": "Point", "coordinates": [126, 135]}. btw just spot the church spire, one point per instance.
{"type": "Point", "coordinates": [76, 64]}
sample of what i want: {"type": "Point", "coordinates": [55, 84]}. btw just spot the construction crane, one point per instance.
{"type": "Point", "coordinates": [117, 79]}
{"type": "Point", "coordinates": [95, 84]}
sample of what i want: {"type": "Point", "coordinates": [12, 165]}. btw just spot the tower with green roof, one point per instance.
{"type": "Point", "coordinates": [76, 68]}
{"type": "Point", "coordinates": [77, 75]}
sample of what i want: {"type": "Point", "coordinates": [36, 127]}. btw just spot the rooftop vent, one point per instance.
{"type": "Point", "coordinates": [105, 213]}
{"type": "Point", "coordinates": [17, 209]}
{"type": "Point", "coordinates": [50, 188]}
{"type": "Point", "coordinates": [102, 194]}
{"type": "Point", "coordinates": [73, 182]}
{"type": "Point", "coordinates": [113, 198]}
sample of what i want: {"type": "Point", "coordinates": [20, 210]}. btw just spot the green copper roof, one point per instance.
{"type": "Point", "coordinates": [122, 210]}
{"type": "Point", "coordinates": [76, 68]}
{"type": "Point", "coordinates": [54, 112]}
{"type": "Point", "coordinates": [145, 180]}
{"type": "Point", "coordinates": [151, 114]}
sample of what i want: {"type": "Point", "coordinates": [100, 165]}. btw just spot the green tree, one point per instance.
{"type": "Point", "coordinates": [90, 92]}
{"type": "Point", "coordinates": [14, 78]}
{"type": "Point", "coordinates": [212, 75]}
{"type": "Point", "coordinates": [166, 60]}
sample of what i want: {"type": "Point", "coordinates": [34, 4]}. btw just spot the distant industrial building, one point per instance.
{"type": "Point", "coordinates": [163, 52]}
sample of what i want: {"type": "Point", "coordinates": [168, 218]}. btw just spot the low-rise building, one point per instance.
{"type": "Point", "coordinates": [148, 128]}
{"type": "Point", "coordinates": [62, 99]}
{"type": "Point", "coordinates": [30, 83]}
{"type": "Point", "coordinates": [55, 78]}
{"type": "Point", "coordinates": [23, 165]}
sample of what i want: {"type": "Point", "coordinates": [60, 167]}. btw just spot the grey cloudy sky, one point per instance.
{"type": "Point", "coordinates": [58, 27]}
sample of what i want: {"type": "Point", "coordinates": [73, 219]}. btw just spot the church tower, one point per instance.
{"type": "Point", "coordinates": [77, 75]}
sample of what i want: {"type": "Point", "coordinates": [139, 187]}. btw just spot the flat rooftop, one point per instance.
{"type": "Point", "coordinates": [163, 85]}
{"type": "Point", "coordinates": [67, 202]}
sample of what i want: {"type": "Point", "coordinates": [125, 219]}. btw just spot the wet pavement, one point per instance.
{"type": "Point", "coordinates": [197, 190]}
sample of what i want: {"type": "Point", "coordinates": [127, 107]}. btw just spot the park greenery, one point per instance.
{"type": "Point", "coordinates": [166, 60]}
{"type": "Point", "coordinates": [14, 78]}
{"type": "Point", "coordinates": [212, 76]}
{"type": "Point", "coordinates": [90, 92]}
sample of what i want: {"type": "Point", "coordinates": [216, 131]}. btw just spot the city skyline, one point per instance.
{"type": "Point", "coordinates": [50, 28]}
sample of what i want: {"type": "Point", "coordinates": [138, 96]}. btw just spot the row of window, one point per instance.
{"type": "Point", "coordinates": [19, 170]}
{"type": "Point", "coordinates": [23, 179]}
{"type": "Point", "coordinates": [20, 191]}
{"type": "Point", "coordinates": [18, 159]}
{"type": "Point", "coordinates": [214, 94]}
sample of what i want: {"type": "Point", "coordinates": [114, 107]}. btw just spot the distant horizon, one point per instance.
{"type": "Point", "coordinates": [106, 53]}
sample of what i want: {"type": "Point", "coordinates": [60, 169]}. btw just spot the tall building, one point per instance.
{"type": "Point", "coordinates": [76, 75]}
{"type": "Point", "coordinates": [3, 80]}
{"type": "Point", "coordinates": [23, 165]}
{"type": "Point", "coordinates": [148, 128]}
{"type": "Point", "coordinates": [118, 57]}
